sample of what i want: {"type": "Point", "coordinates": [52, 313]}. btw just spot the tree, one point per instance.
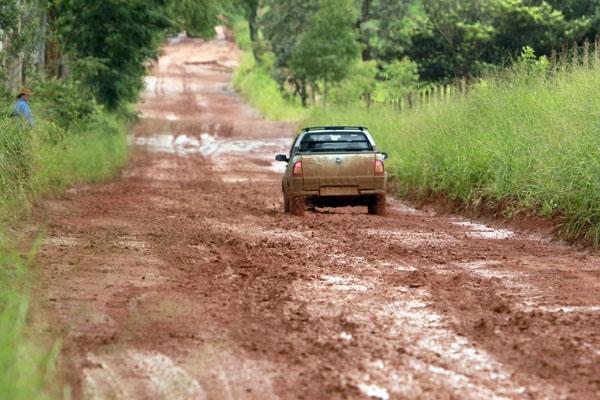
{"type": "Point", "coordinates": [112, 39]}
{"type": "Point", "coordinates": [463, 38]}
{"type": "Point", "coordinates": [359, 85]}
{"type": "Point", "coordinates": [197, 17]}
{"type": "Point", "coordinates": [386, 27]}
{"type": "Point", "coordinates": [283, 24]}
{"type": "Point", "coordinates": [582, 17]}
{"type": "Point", "coordinates": [401, 76]}
{"type": "Point", "coordinates": [250, 8]}
{"type": "Point", "coordinates": [328, 48]}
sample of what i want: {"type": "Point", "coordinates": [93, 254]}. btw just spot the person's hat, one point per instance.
{"type": "Point", "coordinates": [25, 91]}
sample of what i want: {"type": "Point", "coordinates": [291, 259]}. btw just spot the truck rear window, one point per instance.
{"type": "Point", "coordinates": [335, 142]}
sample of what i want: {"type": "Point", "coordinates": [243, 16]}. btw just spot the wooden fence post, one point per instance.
{"type": "Point", "coordinates": [409, 100]}
{"type": "Point", "coordinates": [575, 55]}
{"type": "Point", "coordinates": [564, 55]}
{"type": "Point", "coordinates": [586, 54]}
{"type": "Point", "coordinates": [597, 51]}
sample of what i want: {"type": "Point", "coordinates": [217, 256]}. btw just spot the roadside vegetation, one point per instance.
{"type": "Point", "coordinates": [469, 110]}
{"type": "Point", "coordinates": [85, 62]}
{"type": "Point", "coordinates": [27, 368]}
{"type": "Point", "coordinates": [253, 81]}
{"type": "Point", "coordinates": [519, 142]}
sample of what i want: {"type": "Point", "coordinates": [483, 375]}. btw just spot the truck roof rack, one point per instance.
{"type": "Point", "coordinates": [334, 128]}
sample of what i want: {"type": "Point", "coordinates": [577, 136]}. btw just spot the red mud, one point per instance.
{"type": "Point", "coordinates": [183, 279]}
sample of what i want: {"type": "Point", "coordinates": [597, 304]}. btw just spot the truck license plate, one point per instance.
{"type": "Point", "coordinates": [339, 191]}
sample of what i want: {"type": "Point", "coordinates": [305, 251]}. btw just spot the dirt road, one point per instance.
{"type": "Point", "coordinates": [183, 280]}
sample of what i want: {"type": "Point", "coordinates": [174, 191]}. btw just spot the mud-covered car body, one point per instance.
{"type": "Point", "coordinates": [333, 167]}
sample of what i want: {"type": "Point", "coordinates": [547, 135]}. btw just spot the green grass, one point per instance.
{"type": "Point", "coordinates": [254, 82]}
{"type": "Point", "coordinates": [520, 142]}
{"type": "Point", "coordinates": [48, 159]}
{"type": "Point", "coordinates": [26, 367]}
{"type": "Point", "coordinates": [38, 161]}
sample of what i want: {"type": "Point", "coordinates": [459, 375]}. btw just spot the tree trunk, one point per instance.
{"type": "Point", "coordinates": [325, 93]}
{"type": "Point", "coordinates": [253, 26]}
{"type": "Point", "coordinates": [365, 15]}
{"type": "Point", "coordinates": [303, 93]}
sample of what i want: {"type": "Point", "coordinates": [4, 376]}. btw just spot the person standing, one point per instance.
{"type": "Point", "coordinates": [22, 108]}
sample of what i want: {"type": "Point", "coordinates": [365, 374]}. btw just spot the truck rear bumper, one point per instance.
{"type": "Point", "coordinates": [317, 193]}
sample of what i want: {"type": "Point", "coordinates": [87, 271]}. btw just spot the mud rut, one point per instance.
{"type": "Point", "coordinates": [183, 279]}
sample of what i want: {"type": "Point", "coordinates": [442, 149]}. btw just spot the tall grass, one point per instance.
{"type": "Point", "coordinates": [48, 158]}
{"type": "Point", "coordinates": [62, 149]}
{"type": "Point", "coordinates": [521, 141]}
{"type": "Point", "coordinates": [26, 368]}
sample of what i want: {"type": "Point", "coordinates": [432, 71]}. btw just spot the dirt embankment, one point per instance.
{"type": "Point", "coordinates": [183, 279]}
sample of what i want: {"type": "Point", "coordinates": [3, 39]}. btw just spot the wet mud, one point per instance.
{"type": "Point", "coordinates": [184, 279]}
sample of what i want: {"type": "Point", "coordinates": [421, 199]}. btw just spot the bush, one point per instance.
{"type": "Point", "coordinates": [257, 86]}
{"type": "Point", "coordinates": [72, 141]}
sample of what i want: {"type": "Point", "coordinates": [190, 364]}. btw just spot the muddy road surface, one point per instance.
{"type": "Point", "coordinates": [183, 279]}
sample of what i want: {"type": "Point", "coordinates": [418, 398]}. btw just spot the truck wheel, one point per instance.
{"type": "Point", "coordinates": [377, 205]}
{"type": "Point", "coordinates": [297, 205]}
{"type": "Point", "coordinates": [286, 203]}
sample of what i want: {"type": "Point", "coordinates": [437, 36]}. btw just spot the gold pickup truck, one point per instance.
{"type": "Point", "coordinates": [334, 166]}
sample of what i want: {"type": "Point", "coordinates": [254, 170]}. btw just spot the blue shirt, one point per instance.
{"type": "Point", "coordinates": [22, 109]}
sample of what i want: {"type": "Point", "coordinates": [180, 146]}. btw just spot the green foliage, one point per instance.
{"type": "Point", "coordinates": [257, 86]}
{"type": "Point", "coordinates": [87, 145]}
{"type": "Point", "coordinates": [360, 84]}
{"type": "Point", "coordinates": [241, 33]}
{"type": "Point", "coordinates": [328, 47]}
{"type": "Point", "coordinates": [197, 17]}
{"type": "Point", "coordinates": [400, 78]}
{"type": "Point", "coordinates": [66, 102]}
{"type": "Point", "coordinates": [25, 368]}
{"type": "Point", "coordinates": [282, 24]}
{"type": "Point", "coordinates": [116, 38]}
{"type": "Point", "coordinates": [77, 143]}
{"type": "Point", "coordinates": [9, 12]}
{"type": "Point", "coordinates": [529, 64]}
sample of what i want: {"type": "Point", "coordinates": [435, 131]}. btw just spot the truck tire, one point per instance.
{"type": "Point", "coordinates": [297, 205]}
{"type": "Point", "coordinates": [377, 205]}
{"type": "Point", "coordinates": [286, 203]}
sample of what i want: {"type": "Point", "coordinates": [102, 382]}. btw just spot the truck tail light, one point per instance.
{"type": "Point", "coordinates": [297, 172]}
{"type": "Point", "coordinates": [379, 168]}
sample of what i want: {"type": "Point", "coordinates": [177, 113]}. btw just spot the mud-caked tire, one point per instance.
{"type": "Point", "coordinates": [377, 206]}
{"type": "Point", "coordinates": [297, 205]}
{"type": "Point", "coordinates": [286, 203]}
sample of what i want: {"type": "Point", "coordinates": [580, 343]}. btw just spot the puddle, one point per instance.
{"type": "Point", "coordinates": [138, 375]}
{"type": "Point", "coordinates": [177, 39]}
{"type": "Point", "coordinates": [343, 283]}
{"type": "Point", "coordinates": [210, 146]}
{"type": "Point", "coordinates": [252, 233]}
{"type": "Point", "coordinates": [480, 231]}
{"type": "Point", "coordinates": [61, 241]}
{"type": "Point", "coordinates": [235, 179]}
{"type": "Point", "coordinates": [564, 309]}
{"type": "Point", "coordinates": [374, 391]}
{"type": "Point", "coordinates": [434, 356]}
{"type": "Point", "coordinates": [278, 166]}
{"type": "Point", "coordinates": [132, 243]}
{"type": "Point", "coordinates": [225, 372]}
{"type": "Point", "coordinates": [412, 239]}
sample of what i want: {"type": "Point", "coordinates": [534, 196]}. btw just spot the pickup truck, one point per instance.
{"type": "Point", "coordinates": [334, 166]}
